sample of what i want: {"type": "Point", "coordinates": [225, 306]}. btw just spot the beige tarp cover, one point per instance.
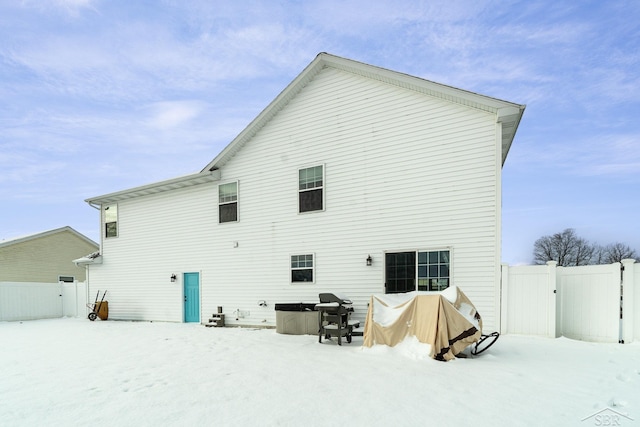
{"type": "Point", "coordinates": [446, 320]}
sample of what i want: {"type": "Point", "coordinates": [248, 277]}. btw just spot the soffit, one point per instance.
{"type": "Point", "coordinates": [157, 187]}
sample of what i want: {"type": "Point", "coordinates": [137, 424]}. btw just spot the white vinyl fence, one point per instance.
{"type": "Point", "coordinates": [528, 300]}
{"type": "Point", "coordinates": [589, 300]}
{"type": "Point", "coordinates": [631, 303]}
{"type": "Point", "coordinates": [74, 299]}
{"type": "Point", "coordinates": [590, 303]}
{"type": "Point", "coordinates": [30, 301]}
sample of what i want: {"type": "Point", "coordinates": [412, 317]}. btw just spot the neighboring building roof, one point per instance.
{"type": "Point", "coordinates": [509, 114]}
{"type": "Point", "coordinates": [22, 239]}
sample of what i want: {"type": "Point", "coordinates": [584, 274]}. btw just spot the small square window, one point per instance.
{"type": "Point", "coordinates": [302, 268]}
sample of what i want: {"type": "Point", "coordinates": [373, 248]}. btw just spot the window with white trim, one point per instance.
{"type": "Point", "coordinates": [228, 202]}
{"type": "Point", "coordinates": [433, 270]}
{"type": "Point", "coordinates": [417, 271]}
{"type": "Point", "coordinates": [302, 268]}
{"type": "Point", "coordinates": [110, 214]}
{"type": "Point", "coordinates": [311, 189]}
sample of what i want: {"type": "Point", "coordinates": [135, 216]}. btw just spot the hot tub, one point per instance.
{"type": "Point", "coordinates": [296, 318]}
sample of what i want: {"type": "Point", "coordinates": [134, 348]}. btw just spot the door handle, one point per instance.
{"type": "Point", "coordinates": [185, 298]}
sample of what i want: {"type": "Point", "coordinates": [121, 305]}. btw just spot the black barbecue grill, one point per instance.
{"type": "Point", "coordinates": [334, 314]}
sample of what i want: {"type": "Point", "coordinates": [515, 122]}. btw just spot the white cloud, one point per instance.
{"type": "Point", "coordinates": [137, 60]}
{"type": "Point", "coordinates": [73, 4]}
{"type": "Point", "coordinates": [602, 155]}
{"type": "Point", "coordinates": [122, 93]}
{"type": "Point", "coordinates": [611, 155]}
{"type": "Point", "coordinates": [72, 8]}
{"type": "Point", "coordinates": [171, 114]}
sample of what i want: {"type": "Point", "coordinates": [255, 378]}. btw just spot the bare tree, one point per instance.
{"type": "Point", "coordinates": [544, 250]}
{"type": "Point", "coordinates": [566, 248]}
{"type": "Point", "coordinates": [583, 252]}
{"type": "Point", "coordinates": [616, 252]}
{"type": "Point", "coordinates": [599, 255]}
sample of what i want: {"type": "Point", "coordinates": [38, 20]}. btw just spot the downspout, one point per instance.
{"type": "Point", "coordinates": [97, 207]}
{"type": "Point", "coordinates": [497, 300]}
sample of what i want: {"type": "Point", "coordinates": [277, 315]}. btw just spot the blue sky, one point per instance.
{"type": "Point", "coordinates": [100, 96]}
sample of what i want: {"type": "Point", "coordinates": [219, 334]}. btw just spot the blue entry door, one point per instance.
{"type": "Point", "coordinates": [191, 297]}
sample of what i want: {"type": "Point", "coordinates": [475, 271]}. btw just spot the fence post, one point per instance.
{"type": "Point", "coordinates": [628, 297]}
{"type": "Point", "coordinates": [504, 293]}
{"type": "Point", "coordinates": [553, 328]}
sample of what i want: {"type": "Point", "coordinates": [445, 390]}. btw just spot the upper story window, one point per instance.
{"type": "Point", "coordinates": [228, 202]}
{"type": "Point", "coordinates": [111, 221]}
{"type": "Point", "coordinates": [311, 189]}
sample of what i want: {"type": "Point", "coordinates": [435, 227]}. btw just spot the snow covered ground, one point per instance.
{"type": "Point", "coordinates": [72, 372]}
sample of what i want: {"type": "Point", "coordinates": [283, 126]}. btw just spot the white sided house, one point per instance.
{"type": "Point", "coordinates": [355, 180]}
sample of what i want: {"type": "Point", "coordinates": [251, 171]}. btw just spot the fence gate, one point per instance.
{"type": "Point", "coordinates": [589, 298]}
{"type": "Point", "coordinates": [529, 300]}
{"type": "Point", "coordinates": [74, 299]}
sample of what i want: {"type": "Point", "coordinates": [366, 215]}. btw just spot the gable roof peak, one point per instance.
{"type": "Point", "coordinates": [508, 113]}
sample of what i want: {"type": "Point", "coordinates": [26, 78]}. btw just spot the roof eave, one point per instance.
{"type": "Point", "coordinates": [81, 262]}
{"type": "Point", "coordinates": [156, 187]}
{"type": "Point", "coordinates": [44, 234]}
{"type": "Point", "coordinates": [510, 118]}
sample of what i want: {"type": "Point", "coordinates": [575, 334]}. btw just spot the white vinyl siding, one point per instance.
{"type": "Point", "coordinates": [406, 172]}
{"type": "Point", "coordinates": [160, 235]}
